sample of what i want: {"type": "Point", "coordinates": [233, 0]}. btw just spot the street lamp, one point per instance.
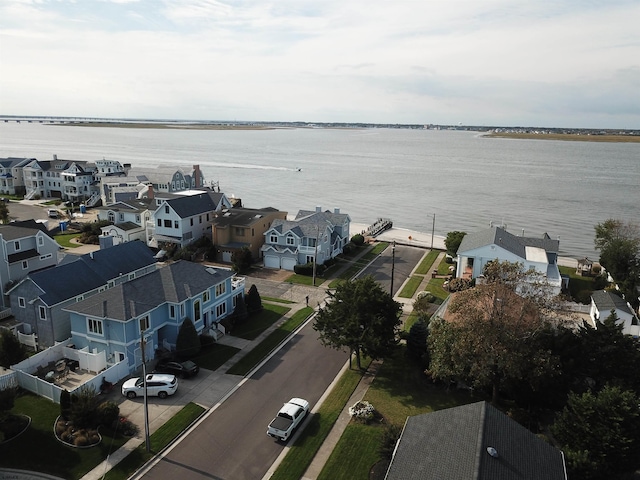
{"type": "Point", "coordinates": [433, 228]}
{"type": "Point", "coordinates": [393, 266]}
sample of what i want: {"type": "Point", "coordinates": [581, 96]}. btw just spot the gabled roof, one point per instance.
{"type": "Point", "coordinates": [452, 444]}
{"type": "Point", "coordinates": [88, 272]}
{"type": "Point", "coordinates": [173, 283]}
{"type": "Point", "coordinates": [188, 206]}
{"type": "Point", "coordinates": [607, 301]}
{"type": "Point", "coordinates": [512, 243]}
{"type": "Point", "coordinates": [309, 223]}
{"type": "Point", "coordinates": [137, 205]}
{"type": "Point", "coordinates": [14, 231]}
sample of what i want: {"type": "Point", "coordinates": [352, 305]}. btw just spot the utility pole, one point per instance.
{"type": "Point", "coordinates": [143, 345]}
{"type": "Point", "coordinates": [393, 266]}
{"type": "Point", "coordinates": [433, 228]}
{"type": "Point", "coordinates": [315, 255]}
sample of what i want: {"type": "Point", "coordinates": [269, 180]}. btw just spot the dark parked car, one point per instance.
{"type": "Point", "coordinates": [179, 369]}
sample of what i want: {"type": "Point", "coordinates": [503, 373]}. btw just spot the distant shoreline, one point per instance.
{"type": "Point", "coordinates": [568, 137]}
{"type": "Point", "coordinates": [176, 126]}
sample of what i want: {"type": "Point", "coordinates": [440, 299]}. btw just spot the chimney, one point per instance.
{"type": "Point", "coordinates": [104, 309]}
{"type": "Point", "coordinates": [55, 157]}
{"type": "Point", "coordinates": [91, 255]}
{"type": "Point", "coordinates": [150, 191]}
{"type": "Point", "coordinates": [336, 210]}
{"type": "Point", "coordinates": [196, 176]}
{"type": "Point", "coordinates": [132, 307]}
{"type": "Point", "coordinates": [318, 209]}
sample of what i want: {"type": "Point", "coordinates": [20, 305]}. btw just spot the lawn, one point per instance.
{"type": "Point", "coordinates": [64, 240]}
{"type": "Point", "coordinates": [260, 351]}
{"type": "Point", "coordinates": [399, 390]}
{"type": "Point", "coordinates": [37, 449]}
{"type": "Point", "coordinates": [580, 287]}
{"type": "Point", "coordinates": [427, 262]}
{"type": "Point", "coordinates": [253, 326]}
{"type": "Point", "coordinates": [411, 286]}
{"type": "Point", "coordinates": [214, 356]}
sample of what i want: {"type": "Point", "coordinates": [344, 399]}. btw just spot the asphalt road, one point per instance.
{"type": "Point", "coordinates": [402, 262]}
{"type": "Point", "coordinates": [23, 211]}
{"type": "Point", "coordinates": [232, 442]}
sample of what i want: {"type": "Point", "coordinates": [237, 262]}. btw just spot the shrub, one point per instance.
{"type": "Point", "coordinates": [84, 407]}
{"type": "Point", "coordinates": [108, 412]}
{"type": "Point", "coordinates": [207, 341]}
{"type": "Point", "coordinates": [389, 439]}
{"type": "Point", "coordinates": [362, 411]}
{"type": "Point", "coordinates": [81, 441]}
{"type": "Point", "coordinates": [348, 249]}
{"type": "Point", "coordinates": [307, 269]}
{"type": "Point", "coordinates": [459, 284]}
{"type": "Point", "coordinates": [358, 239]}
{"type": "Point", "coordinates": [65, 404]}
{"type": "Point", "coordinates": [187, 343]}
{"type": "Point", "coordinates": [253, 300]}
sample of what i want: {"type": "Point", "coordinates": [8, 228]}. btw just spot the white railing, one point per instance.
{"type": "Point", "coordinates": [8, 380]}
{"type": "Point", "coordinates": [92, 200]}
{"type": "Point", "coordinates": [31, 193]}
{"type": "Point", "coordinates": [5, 313]}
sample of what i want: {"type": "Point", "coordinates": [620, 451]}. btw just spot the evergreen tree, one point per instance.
{"type": "Point", "coordinates": [242, 260]}
{"type": "Point", "coordinates": [187, 343]}
{"type": "Point", "coordinates": [417, 342]}
{"type": "Point", "coordinates": [11, 350]}
{"type": "Point", "coordinates": [253, 300]}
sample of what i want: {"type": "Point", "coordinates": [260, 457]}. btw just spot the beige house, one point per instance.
{"type": "Point", "coordinates": [238, 227]}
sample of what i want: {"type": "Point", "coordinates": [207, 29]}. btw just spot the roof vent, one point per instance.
{"type": "Point", "coordinates": [492, 451]}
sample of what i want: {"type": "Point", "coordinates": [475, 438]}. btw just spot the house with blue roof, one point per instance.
{"type": "Point", "coordinates": [313, 236]}
{"type": "Point", "coordinates": [495, 243]}
{"type": "Point", "coordinates": [40, 299]}
{"type": "Point", "coordinates": [153, 307]}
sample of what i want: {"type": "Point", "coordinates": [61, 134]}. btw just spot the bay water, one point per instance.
{"type": "Point", "coordinates": [465, 179]}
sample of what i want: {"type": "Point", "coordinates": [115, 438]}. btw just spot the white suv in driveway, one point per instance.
{"type": "Point", "coordinates": [158, 385]}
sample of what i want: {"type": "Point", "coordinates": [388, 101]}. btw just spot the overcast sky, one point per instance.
{"type": "Point", "coordinates": [569, 63]}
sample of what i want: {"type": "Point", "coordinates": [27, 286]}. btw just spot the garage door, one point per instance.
{"type": "Point", "coordinates": [271, 261]}
{"type": "Point", "coordinates": [288, 263]}
{"type": "Point", "coordinates": [226, 257]}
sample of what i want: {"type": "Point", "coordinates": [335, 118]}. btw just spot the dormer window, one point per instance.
{"type": "Point", "coordinates": [290, 240]}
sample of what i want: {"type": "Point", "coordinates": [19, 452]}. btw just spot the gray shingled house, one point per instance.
{"type": "Point", "coordinates": [472, 442]}
{"type": "Point", "coordinates": [39, 299]}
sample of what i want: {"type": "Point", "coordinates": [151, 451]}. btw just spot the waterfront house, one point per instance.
{"type": "Point", "coordinates": [495, 243]}
{"type": "Point", "coordinates": [312, 236]}
{"type": "Point", "coordinates": [38, 301]}
{"type": "Point", "coordinates": [128, 219]}
{"type": "Point", "coordinates": [186, 218]}
{"type": "Point", "coordinates": [604, 302]}
{"type": "Point", "coordinates": [238, 227]}
{"type": "Point", "coordinates": [472, 442]}
{"type": "Point", "coordinates": [11, 178]}
{"type": "Point", "coordinates": [25, 247]}
{"type": "Point", "coordinates": [153, 307]}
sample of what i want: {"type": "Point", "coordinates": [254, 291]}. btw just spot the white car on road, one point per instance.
{"type": "Point", "coordinates": [158, 385]}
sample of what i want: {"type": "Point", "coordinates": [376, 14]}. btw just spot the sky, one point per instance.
{"type": "Point", "coordinates": [569, 63]}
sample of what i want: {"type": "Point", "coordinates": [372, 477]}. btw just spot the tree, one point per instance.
{"type": "Point", "coordinates": [600, 433]}
{"type": "Point", "coordinates": [240, 313]}
{"type": "Point", "coordinates": [253, 300]}
{"type": "Point", "coordinates": [360, 316]}
{"type": "Point", "coordinates": [619, 246]}
{"type": "Point", "coordinates": [7, 399]}
{"type": "Point", "coordinates": [417, 342]}
{"type": "Point", "coordinates": [4, 213]}
{"type": "Point", "coordinates": [453, 240]}
{"type": "Point", "coordinates": [11, 350]}
{"type": "Point", "coordinates": [488, 337]}
{"type": "Point", "coordinates": [357, 239]}
{"type": "Point", "coordinates": [187, 343]}
{"type": "Point", "coordinates": [242, 260]}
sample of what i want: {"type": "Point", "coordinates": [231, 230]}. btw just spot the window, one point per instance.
{"type": "Point", "coordinates": [121, 217]}
{"type": "Point", "coordinates": [175, 224]}
{"type": "Point", "coordinates": [191, 220]}
{"type": "Point", "coordinates": [79, 298]}
{"type": "Point", "coordinates": [196, 311]}
{"type": "Point", "coordinates": [199, 218]}
{"type": "Point", "coordinates": [94, 326]}
{"type": "Point", "coordinates": [205, 296]}
{"type": "Point", "coordinates": [44, 257]}
{"type": "Point", "coordinates": [182, 309]}
{"type": "Point", "coordinates": [42, 313]}
{"type": "Point", "coordinates": [144, 323]}
{"type": "Point", "coordinates": [290, 240]}
{"type": "Point", "coordinates": [166, 209]}
{"type": "Point", "coordinates": [240, 231]}
{"type": "Point", "coordinates": [132, 276]}
{"type": "Point", "coordinates": [167, 223]}
{"type": "Point", "coordinates": [221, 288]}
{"type": "Point", "coordinates": [273, 239]}
{"type": "Point", "coordinates": [16, 245]}
{"type": "Point", "coordinates": [40, 240]}
{"type": "Point", "coordinates": [159, 222]}
{"type": "Point", "coordinates": [137, 218]}
{"type": "Point", "coordinates": [172, 311]}
{"type": "Point", "coordinates": [235, 301]}
{"type": "Point", "coordinates": [25, 264]}
{"type": "Point", "coordinates": [221, 310]}
{"type": "Point", "coordinates": [21, 302]}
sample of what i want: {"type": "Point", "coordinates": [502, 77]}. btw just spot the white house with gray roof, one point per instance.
{"type": "Point", "coordinates": [311, 236]}
{"type": "Point", "coordinates": [603, 302]}
{"type": "Point", "coordinates": [39, 300]}
{"type": "Point", "coordinates": [495, 243]}
{"type": "Point", "coordinates": [153, 306]}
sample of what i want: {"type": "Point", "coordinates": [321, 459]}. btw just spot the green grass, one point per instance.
{"type": "Point", "coordinates": [257, 354]}
{"type": "Point", "coordinates": [577, 283]}
{"type": "Point", "coordinates": [355, 454]}
{"type": "Point", "coordinates": [411, 319]}
{"type": "Point", "coordinates": [303, 280]}
{"type": "Point", "coordinates": [427, 262]}
{"type": "Point", "coordinates": [253, 326]}
{"type": "Point", "coordinates": [435, 287]}
{"type": "Point", "coordinates": [64, 240]}
{"type": "Point", "coordinates": [357, 265]}
{"type": "Point", "coordinates": [411, 286]}
{"type": "Point", "coordinates": [443, 267]}
{"type": "Point", "coordinates": [214, 356]}
{"type": "Point", "coordinates": [158, 440]}
{"type": "Point", "coordinates": [37, 449]}
{"type": "Point", "coordinates": [400, 389]}
{"type": "Point", "coordinates": [318, 427]}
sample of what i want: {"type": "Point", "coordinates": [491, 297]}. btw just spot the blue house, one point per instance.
{"type": "Point", "coordinates": [154, 307]}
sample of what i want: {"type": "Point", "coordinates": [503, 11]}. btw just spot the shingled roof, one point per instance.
{"type": "Point", "coordinates": [173, 283]}
{"type": "Point", "coordinates": [190, 205]}
{"type": "Point", "coordinates": [512, 243]}
{"type": "Point", "coordinates": [455, 443]}
{"type": "Point", "coordinates": [607, 301]}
